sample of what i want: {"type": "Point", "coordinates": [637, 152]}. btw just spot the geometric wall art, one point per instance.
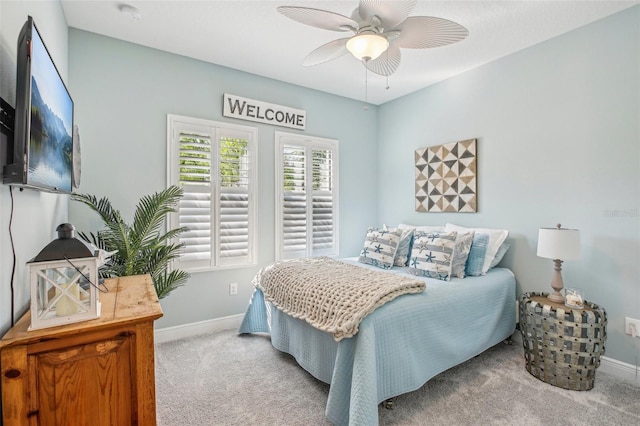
{"type": "Point", "coordinates": [446, 178]}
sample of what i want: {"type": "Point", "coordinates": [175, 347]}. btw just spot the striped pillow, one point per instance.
{"type": "Point", "coordinates": [432, 254]}
{"type": "Point", "coordinates": [380, 247]}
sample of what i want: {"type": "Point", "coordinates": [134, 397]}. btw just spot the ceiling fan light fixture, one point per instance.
{"type": "Point", "coordinates": [367, 45]}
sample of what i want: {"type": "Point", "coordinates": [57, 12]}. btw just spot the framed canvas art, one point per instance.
{"type": "Point", "coordinates": [446, 178]}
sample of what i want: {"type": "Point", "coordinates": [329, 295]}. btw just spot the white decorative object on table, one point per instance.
{"type": "Point", "coordinates": [63, 279]}
{"type": "Point", "coordinates": [574, 298]}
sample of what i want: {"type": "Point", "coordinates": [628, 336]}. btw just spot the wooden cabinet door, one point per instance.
{"type": "Point", "coordinates": [84, 385]}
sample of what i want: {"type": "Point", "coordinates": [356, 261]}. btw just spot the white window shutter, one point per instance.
{"type": "Point", "coordinates": [235, 207]}
{"type": "Point", "coordinates": [215, 165]}
{"type": "Point", "coordinates": [294, 201]}
{"type": "Point", "coordinates": [195, 215]}
{"type": "Point", "coordinates": [195, 208]}
{"type": "Point", "coordinates": [306, 209]}
{"type": "Point", "coordinates": [323, 214]}
{"type": "Point", "coordinates": [234, 224]}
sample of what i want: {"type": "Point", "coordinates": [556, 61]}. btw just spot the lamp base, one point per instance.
{"type": "Point", "coordinates": [556, 282]}
{"type": "Point", "coordinates": [556, 297]}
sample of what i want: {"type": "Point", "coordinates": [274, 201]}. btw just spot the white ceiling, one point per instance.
{"type": "Point", "coordinates": [251, 36]}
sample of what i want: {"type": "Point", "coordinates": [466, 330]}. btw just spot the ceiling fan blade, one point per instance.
{"type": "Point", "coordinates": [319, 18]}
{"type": "Point", "coordinates": [390, 13]}
{"type": "Point", "coordinates": [387, 63]}
{"type": "Point", "coordinates": [327, 52]}
{"type": "Point", "coordinates": [421, 32]}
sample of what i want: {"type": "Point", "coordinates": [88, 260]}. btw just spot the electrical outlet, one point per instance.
{"type": "Point", "coordinates": [629, 324]}
{"type": "Point", "coordinates": [233, 289]}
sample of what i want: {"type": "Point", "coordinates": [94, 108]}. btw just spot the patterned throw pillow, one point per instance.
{"type": "Point", "coordinates": [402, 254]}
{"type": "Point", "coordinates": [415, 230]}
{"type": "Point", "coordinates": [380, 247]}
{"type": "Point", "coordinates": [432, 254]}
{"type": "Point", "coordinates": [461, 253]}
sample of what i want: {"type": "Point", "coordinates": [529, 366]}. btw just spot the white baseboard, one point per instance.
{"type": "Point", "coordinates": [195, 328]}
{"type": "Point", "coordinates": [622, 370]}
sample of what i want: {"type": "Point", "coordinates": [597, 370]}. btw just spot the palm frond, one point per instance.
{"type": "Point", "coordinates": [107, 270]}
{"type": "Point", "coordinates": [172, 234]}
{"type": "Point", "coordinates": [92, 238]}
{"type": "Point", "coordinates": [102, 206]}
{"type": "Point", "coordinates": [168, 282]}
{"type": "Point", "coordinates": [152, 210]}
{"type": "Point", "coordinates": [155, 260]}
{"type": "Point", "coordinates": [141, 247]}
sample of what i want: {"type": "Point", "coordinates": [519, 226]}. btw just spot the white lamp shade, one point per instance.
{"type": "Point", "coordinates": [367, 45]}
{"type": "Point", "coordinates": [559, 243]}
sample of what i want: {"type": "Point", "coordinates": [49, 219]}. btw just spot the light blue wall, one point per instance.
{"type": "Point", "coordinates": [558, 128]}
{"type": "Point", "coordinates": [123, 93]}
{"type": "Point", "coordinates": [35, 214]}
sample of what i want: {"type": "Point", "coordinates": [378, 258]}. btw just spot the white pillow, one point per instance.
{"type": "Point", "coordinates": [496, 238]}
{"type": "Point", "coordinates": [421, 228]}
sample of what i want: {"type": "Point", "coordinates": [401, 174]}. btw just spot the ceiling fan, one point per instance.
{"type": "Point", "coordinates": [380, 28]}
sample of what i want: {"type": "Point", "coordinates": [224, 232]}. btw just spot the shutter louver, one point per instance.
{"type": "Point", "coordinates": [195, 159]}
{"type": "Point", "coordinates": [234, 224]}
{"type": "Point", "coordinates": [322, 222]}
{"type": "Point", "coordinates": [194, 209]}
{"type": "Point", "coordinates": [323, 214]}
{"type": "Point", "coordinates": [234, 198]}
{"type": "Point", "coordinates": [195, 214]}
{"type": "Point", "coordinates": [294, 211]}
{"type": "Point", "coordinates": [294, 221]}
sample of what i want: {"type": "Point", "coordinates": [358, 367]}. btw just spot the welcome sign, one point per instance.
{"type": "Point", "coordinates": [262, 112]}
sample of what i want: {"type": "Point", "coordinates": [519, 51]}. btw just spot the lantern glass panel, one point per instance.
{"type": "Point", "coordinates": [62, 292]}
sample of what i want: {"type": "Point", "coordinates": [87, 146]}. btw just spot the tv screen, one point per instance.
{"type": "Point", "coordinates": [43, 138]}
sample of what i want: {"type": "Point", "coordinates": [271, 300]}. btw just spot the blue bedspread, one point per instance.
{"type": "Point", "coordinates": [400, 346]}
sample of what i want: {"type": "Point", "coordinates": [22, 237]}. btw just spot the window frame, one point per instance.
{"type": "Point", "coordinates": [217, 130]}
{"type": "Point", "coordinates": [309, 143]}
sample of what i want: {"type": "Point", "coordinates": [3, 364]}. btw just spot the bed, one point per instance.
{"type": "Point", "coordinates": [400, 345]}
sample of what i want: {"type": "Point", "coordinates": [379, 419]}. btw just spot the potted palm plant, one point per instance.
{"type": "Point", "coordinates": [142, 247]}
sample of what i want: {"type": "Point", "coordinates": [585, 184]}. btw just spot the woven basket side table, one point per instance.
{"type": "Point", "coordinates": [562, 346]}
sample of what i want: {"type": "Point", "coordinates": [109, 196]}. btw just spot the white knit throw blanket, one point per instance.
{"type": "Point", "coordinates": [330, 295]}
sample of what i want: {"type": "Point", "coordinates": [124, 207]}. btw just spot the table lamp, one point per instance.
{"type": "Point", "coordinates": [558, 244]}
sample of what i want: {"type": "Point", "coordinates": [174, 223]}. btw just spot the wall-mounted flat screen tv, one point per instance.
{"type": "Point", "coordinates": [41, 156]}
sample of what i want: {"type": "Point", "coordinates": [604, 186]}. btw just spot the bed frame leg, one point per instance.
{"type": "Point", "coordinates": [388, 404]}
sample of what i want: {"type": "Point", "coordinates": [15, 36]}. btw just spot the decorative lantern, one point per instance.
{"type": "Point", "coordinates": [64, 277]}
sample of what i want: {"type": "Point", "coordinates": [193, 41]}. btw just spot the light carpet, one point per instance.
{"type": "Point", "coordinates": [225, 379]}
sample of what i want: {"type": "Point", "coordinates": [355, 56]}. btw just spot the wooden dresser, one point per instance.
{"type": "Point", "coordinates": [97, 372]}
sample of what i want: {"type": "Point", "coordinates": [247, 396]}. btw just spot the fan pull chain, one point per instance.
{"type": "Point", "coordinates": [387, 75]}
{"type": "Point", "coordinates": [366, 86]}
